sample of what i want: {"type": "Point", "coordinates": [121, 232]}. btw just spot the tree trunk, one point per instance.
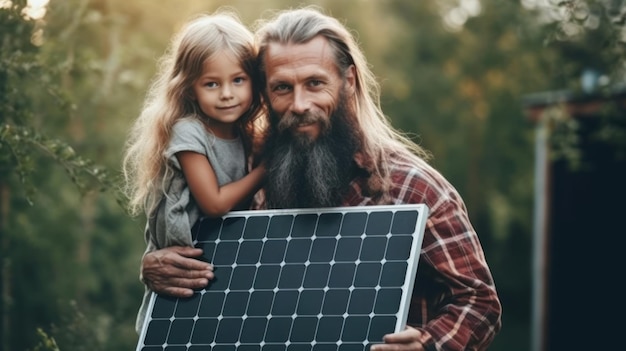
{"type": "Point", "coordinates": [5, 264]}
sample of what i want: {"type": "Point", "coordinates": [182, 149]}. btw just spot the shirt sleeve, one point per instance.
{"type": "Point", "coordinates": [455, 303]}
{"type": "Point", "coordinates": [188, 134]}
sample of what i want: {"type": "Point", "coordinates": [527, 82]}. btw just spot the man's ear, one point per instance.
{"type": "Point", "coordinates": [351, 79]}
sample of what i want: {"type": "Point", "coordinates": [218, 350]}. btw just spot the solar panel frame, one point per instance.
{"type": "Point", "coordinates": [249, 274]}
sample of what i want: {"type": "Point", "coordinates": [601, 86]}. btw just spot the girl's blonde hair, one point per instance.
{"type": "Point", "coordinates": [170, 98]}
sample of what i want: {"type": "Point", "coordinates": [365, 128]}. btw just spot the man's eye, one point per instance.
{"type": "Point", "coordinates": [281, 88]}
{"type": "Point", "coordinates": [315, 83]}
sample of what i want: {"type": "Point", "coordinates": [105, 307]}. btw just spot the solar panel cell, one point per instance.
{"type": "Point", "coordinates": [204, 331]}
{"type": "Point", "coordinates": [378, 223]}
{"type": "Point", "coordinates": [354, 224]}
{"type": "Point", "coordinates": [304, 225]}
{"type": "Point", "coordinates": [316, 275]}
{"type": "Point", "coordinates": [328, 224]}
{"type": "Point", "coordinates": [280, 226]}
{"type": "Point", "coordinates": [211, 305]}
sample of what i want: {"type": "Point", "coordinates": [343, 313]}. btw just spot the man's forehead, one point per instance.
{"type": "Point", "coordinates": [285, 56]}
{"type": "Point", "coordinates": [317, 49]}
{"type": "Point", "coordinates": [316, 44]}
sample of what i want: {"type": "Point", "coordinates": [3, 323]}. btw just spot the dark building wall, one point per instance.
{"type": "Point", "coordinates": [586, 247]}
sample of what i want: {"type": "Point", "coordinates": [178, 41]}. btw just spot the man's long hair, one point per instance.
{"type": "Point", "coordinates": [380, 139]}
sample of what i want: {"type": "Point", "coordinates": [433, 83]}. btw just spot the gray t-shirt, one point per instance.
{"type": "Point", "coordinates": [170, 223]}
{"type": "Point", "coordinates": [177, 212]}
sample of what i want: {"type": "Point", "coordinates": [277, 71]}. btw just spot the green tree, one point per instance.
{"type": "Point", "coordinates": [36, 159]}
{"type": "Point", "coordinates": [588, 37]}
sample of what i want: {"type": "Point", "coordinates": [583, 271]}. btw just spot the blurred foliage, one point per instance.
{"type": "Point", "coordinates": [46, 343]}
{"type": "Point", "coordinates": [20, 102]}
{"type": "Point", "coordinates": [47, 228]}
{"type": "Point", "coordinates": [453, 74]}
{"type": "Point", "coordinates": [564, 138]}
{"type": "Point", "coordinates": [589, 37]}
{"type": "Point", "coordinates": [593, 32]}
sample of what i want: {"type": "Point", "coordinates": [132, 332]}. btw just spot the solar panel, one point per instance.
{"type": "Point", "coordinates": [331, 279]}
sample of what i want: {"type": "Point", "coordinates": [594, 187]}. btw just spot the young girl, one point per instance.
{"type": "Point", "coordinates": [188, 150]}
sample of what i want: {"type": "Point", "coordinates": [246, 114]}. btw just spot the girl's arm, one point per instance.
{"type": "Point", "coordinates": [212, 199]}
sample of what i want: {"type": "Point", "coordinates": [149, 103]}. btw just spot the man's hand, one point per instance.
{"type": "Point", "coordinates": [406, 340]}
{"type": "Point", "coordinates": [174, 271]}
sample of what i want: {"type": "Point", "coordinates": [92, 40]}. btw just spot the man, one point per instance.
{"type": "Point", "coordinates": [331, 145]}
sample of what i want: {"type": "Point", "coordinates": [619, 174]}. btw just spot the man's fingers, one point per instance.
{"type": "Point", "coordinates": [178, 292]}
{"type": "Point", "coordinates": [184, 263]}
{"type": "Point", "coordinates": [196, 283]}
{"type": "Point", "coordinates": [175, 271]}
{"type": "Point", "coordinates": [406, 340]}
{"type": "Point", "coordinates": [406, 336]}
{"type": "Point", "coordinates": [176, 275]}
{"type": "Point", "coordinates": [183, 258]}
{"type": "Point", "coordinates": [192, 264]}
{"type": "Point", "coordinates": [184, 287]}
{"type": "Point", "coordinates": [179, 287]}
{"type": "Point", "coordinates": [185, 251]}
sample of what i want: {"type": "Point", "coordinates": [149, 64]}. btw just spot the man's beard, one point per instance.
{"type": "Point", "coordinates": [306, 173]}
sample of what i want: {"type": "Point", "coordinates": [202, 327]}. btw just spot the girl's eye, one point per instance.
{"type": "Point", "coordinates": [210, 84]}
{"type": "Point", "coordinates": [239, 80]}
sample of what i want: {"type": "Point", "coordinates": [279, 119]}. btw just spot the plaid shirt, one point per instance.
{"type": "Point", "coordinates": [454, 302]}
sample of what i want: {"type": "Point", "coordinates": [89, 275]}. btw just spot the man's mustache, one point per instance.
{"type": "Point", "coordinates": [291, 120]}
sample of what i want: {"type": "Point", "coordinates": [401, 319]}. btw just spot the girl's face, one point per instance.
{"type": "Point", "coordinates": [223, 92]}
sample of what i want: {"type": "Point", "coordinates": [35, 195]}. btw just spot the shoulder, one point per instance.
{"type": "Point", "coordinates": [188, 134]}
{"type": "Point", "coordinates": [188, 124]}
{"type": "Point", "coordinates": [190, 130]}
{"type": "Point", "coordinates": [416, 181]}
{"type": "Point", "coordinates": [415, 170]}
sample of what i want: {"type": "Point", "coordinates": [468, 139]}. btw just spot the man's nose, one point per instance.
{"type": "Point", "coordinates": [301, 103]}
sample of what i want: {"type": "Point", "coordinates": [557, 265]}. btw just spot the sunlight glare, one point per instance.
{"type": "Point", "coordinates": [471, 7]}
{"type": "Point", "coordinates": [455, 16]}
{"type": "Point", "coordinates": [36, 9]}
